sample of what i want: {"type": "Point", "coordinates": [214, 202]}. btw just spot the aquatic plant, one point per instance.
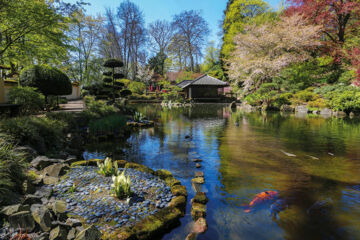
{"type": "Point", "coordinates": [138, 117]}
{"type": "Point", "coordinates": [121, 185]}
{"type": "Point", "coordinates": [108, 168]}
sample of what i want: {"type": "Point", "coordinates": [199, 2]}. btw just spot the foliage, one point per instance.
{"type": "Point", "coordinates": [138, 117]}
{"type": "Point", "coordinates": [108, 168]}
{"type": "Point", "coordinates": [122, 185]}
{"type": "Point", "coordinates": [107, 125]}
{"type": "Point", "coordinates": [31, 101]}
{"type": "Point", "coordinates": [48, 80]}
{"type": "Point", "coordinates": [137, 87]}
{"type": "Point", "coordinates": [98, 108]}
{"type": "Point", "coordinates": [113, 63]}
{"type": "Point", "coordinates": [345, 98]}
{"type": "Point", "coordinates": [40, 133]}
{"type": "Point", "coordinates": [157, 63]}
{"type": "Point", "coordinates": [12, 167]}
{"type": "Point", "coordinates": [264, 51]}
{"type": "Point", "coordinates": [211, 65]}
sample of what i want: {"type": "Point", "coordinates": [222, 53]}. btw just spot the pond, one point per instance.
{"type": "Point", "coordinates": [312, 162]}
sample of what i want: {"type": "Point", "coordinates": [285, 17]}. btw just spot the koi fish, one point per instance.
{"type": "Point", "coordinates": [260, 198]}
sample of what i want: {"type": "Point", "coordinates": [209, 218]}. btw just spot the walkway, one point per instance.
{"type": "Point", "coordinates": [73, 106]}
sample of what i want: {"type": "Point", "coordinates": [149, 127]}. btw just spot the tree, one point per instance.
{"type": "Point", "coordinates": [110, 80]}
{"type": "Point", "coordinates": [211, 63]}
{"type": "Point", "coordinates": [48, 80]}
{"type": "Point", "coordinates": [263, 51]}
{"type": "Point", "coordinates": [193, 29]}
{"type": "Point", "coordinates": [177, 52]}
{"type": "Point", "coordinates": [161, 33]}
{"type": "Point", "coordinates": [157, 63]}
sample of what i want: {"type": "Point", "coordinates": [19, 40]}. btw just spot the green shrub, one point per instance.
{"type": "Point", "coordinates": [347, 101]}
{"type": "Point", "coordinates": [347, 77]}
{"type": "Point", "coordinates": [40, 133]}
{"type": "Point", "coordinates": [48, 80]}
{"type": "Point", "coordinates": [31, 101]}
{"type": "Point", "coordinates": [305, 96]}
{"type": "Point", "coordinates": [137, 87]}
{"type": "Point", "coordinates": [317, 104]}
{"type": "Point", "coordinates": [253, 99]}
{"type": "Point", "coordinates": [281, 99]}
{"type": "Point", "coordinates": [98, 108]}
{"type": "Point", "coordinates": [12, 175]}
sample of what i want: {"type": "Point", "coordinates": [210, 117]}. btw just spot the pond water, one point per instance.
{"type": "Point", "coordinates": [312, 162]}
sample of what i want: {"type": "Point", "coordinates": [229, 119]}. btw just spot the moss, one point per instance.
{"type": "Point", "coordinates": [139, 167]}
{"type": "Point", "coordinates": [178, 202]}
{"type": "Point", "coordinates": [157, 224]}
{"type": "Point", "coordinates": [163, 174]}
{"type": "Point", "coordinates": [199, 180]}
{"type": "Point", "coordinates": [124, 234]}
{"type": "Point", "coordinates": [179, 190]}
{"type": "Point", "coordinates": [91, 162]}
{"type": "Point", "coordinates": [32, 175]}
{"type": "Point", "coordinates": [200, 197]}
{"type": "Point", "coordinates": [170, 181]}
{"type": "Point", "coordinates": [198, 210]}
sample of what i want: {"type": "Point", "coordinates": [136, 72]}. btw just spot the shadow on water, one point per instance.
{"type": "Point", "coordinates": [314, 164]}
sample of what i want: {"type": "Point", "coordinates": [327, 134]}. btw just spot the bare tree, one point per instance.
{"type": "Point", "coordinates": [193, 29]}
{"type": "Point", "coordinates": [161, 33]}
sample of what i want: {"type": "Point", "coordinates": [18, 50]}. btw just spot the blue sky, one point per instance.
{"type": "Point", "coordinates": [212, 10]}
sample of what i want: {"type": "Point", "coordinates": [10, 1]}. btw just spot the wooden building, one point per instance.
{"type": "Point", "coordinates": [204, 87]}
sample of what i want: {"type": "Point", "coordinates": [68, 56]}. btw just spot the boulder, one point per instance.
{"type": "Point", "coordinates": [287, 108]}
{"type": "Point", "coordinates": [200, 226]}
{"type": "Point", "coordinates": [171, 181]}
{"type": "Point", "coordinates": [41, 162]}
{"type": "Point", "coordinates": [11, 209]}
{"type": "Point", "coordinates": [316, 112]}
{"type": "Point", "coordinates": [31, 199]}
{"type": "Point", "coordinates": [200, 197]}
{"type": "Point", "coordinates": [351, 114]}
{"type": "Point", "coordinates": [199, 174]}
{"type": "Point", "coordinates": [71, 234]}
{"type": "Point", "coordinates": [72, 222]}
{"type": "Point", "coordinates": [42, 216]}
{"type": "Point", "coordinates": [44, 192]}
{"type": "Point", "coordinates": [198, 210]}
{"type": "Point", "coordinates": [326, 112]}
{"type": "Point", "coordinates": [59, 207]}
{"type": "Point", "coordinates": [55, 170]}
{"type": "Point", "coordinates": [339, 114]}
{"type": "Point", "coordinates": [179, 190]}
{"type": "Point", "coordinates": [199, 180]}
{"type": "Point", "coordinates": [58, 233]}
{"type": "Point", "coordinates": [70, 159]}
{"type": "Point", "coordinates": [90, 233]}
{"type": "Point", "coordinates": [178, 202]}
{"type": "Point", "coordinates": [198, 165]}
{"type": "Point", "coordinates": [22, 220]}
{"type": "Point", "coordinates": [301, 109]}
{"type": "Point", "coordinates": [50, 180]}
{"type": "Point", "coordinates": [163, 174]}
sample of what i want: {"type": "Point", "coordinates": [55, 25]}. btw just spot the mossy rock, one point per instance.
{"type": "Point", "coordinates": [139, 167]}
{"type": "Point", "coordinates": [163, 174]}
{"type": "Point", "coordinates": [91, 162]}
{"type": "Point", "coordinates": [121, 163]}
{"type": "Point", "coordinates": [124, 234]}
{"type": "Point", "coordinates": [157, 224]}
{"type": "Point", "coordinates": [198, 210]}
{"type": "Point", "coordinates": [200, 197]}
{"type": "Point", "coordinates": [171, 181]}
{"type": "Point", "coordinates": [178, 202]}
{"type": "Point", "coordinates": [179, 190]}
{"type": "Point", "coordinates": [199, 180]}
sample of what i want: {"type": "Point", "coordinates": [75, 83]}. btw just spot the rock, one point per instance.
{"type": "Point", "coordinates": [198, 210]}
{"type": "Point", "coordinates": [50, 180]}
{"type": "Point", "coordinates": [44, 192]}
{"type": "Point", "coordinates": [339, 114]}
{"type": "Point", "coordinates": [232, 105]}
{"type": "Point", "coordinates": [28, 152]}
{"type": "Point", "coordinates": [55, 170]}
{"type": "Point", "coordinates": [28, 187]}
{"type": "Point", "coordinates": [59, 206]}
{"type": "Point", "coordinates": [171, 181]}
{"type": "Point", "coordinates": [70, 159]}
{"type": "Point", "coordinates": [42, 216]}
{"type": "Point", "coordinates": [163, 174]}
{"type": "Point", "coordinates": [316, 112]}
{"type": "Point", "coordinates": [197, 160]}
{"type": "Point", "coordinates": [90, 233]}
{"type": "Point", "coordinates": [41, 162]}
{"type": "Point", "coordinates": [71, 234]}
{"type": "Point", "coordinates": [179, 190]}
{"type": "Point", "coordinates": [196, 187]}
{"type": "Point", "coordinates": [72, 222]}
{"type": "Point", "coordinates": [200, 226]}
{"type": "Point", "coordinates": [191, 236]}
{"type": "Point", "coordinates": [31, 199]}
{"type": "Point", "coordinates": [199, 174]}
{"type": "Point", "coordinates": [199, 180]}
{"type": "Point", "coordinates": [287, 108]}
{"type": "Point", "coordinates": [351, 114]}
{"type": "Point", "coordinates": [125, 234]}
{"type": "Point", "coordinates": [11, 209]}
{"type": "Point", "coordinates": [200, 197]}
{"type": "Point", "coordinates": [326, 112]}
{"type": "Point", "coordinates": [58, 233]}
{"type": "Point", "coordinates": [22, 220]}
{"type": "Point", "coordinates": [198, 165]}
{"type": "Point", "coordinates": [178, 202]}
{"type": "Point", "coordinates": [301, 109]}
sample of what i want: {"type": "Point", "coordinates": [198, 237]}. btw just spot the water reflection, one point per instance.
{"type": "Point", "coordinates": [247, 153]}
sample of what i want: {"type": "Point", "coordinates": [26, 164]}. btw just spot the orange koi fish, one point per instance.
{"type": "Point", "coordinates": [260, 198]}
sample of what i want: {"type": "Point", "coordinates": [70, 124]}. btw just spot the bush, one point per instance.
{"type": "Point", "coordinates": [98, 108]}
{"type": "Point", "coordinates": [40, 133]}
{"type": "Point", "coordinates": [347, 101]}
{"type": "Point", "coordinates": [31, 101]}
{"type": "Point", "coordinates": [12, 167]}
{"type": "Point", "coordinates": [137, 87]}
{"type": "Point", "coordinates": [281, 99]}
{"type": "Point", "coordinates": [305, 96]}
{"type": "Point", "coordinates": [48, 80]}
{"type": "Point", "coordinates": [317, 104]}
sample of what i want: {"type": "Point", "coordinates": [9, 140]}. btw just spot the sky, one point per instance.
{"type": "Point", "coordinates": [212, 10]}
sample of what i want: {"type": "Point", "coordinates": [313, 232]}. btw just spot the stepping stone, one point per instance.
{"type": "Point", "coordinates": [198, 210]}
{"type": "Point", "coordinates": [199, 180]}
{"type": "Point", "coordinates": [197, 160]}
{"type": "Point", "coordinates": [199, 174]}
{"type": "Point", "coordinates": [198, 165]}
{"type": "Point", "coordinates": [200, 197]}
{"type": "Point", "coordinates": [200, 226]}
{"type": "Point", "coordinates": [191, 236]}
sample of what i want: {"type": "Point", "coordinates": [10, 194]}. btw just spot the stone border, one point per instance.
{"type": "Point", "coordinates": [159, 223]}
